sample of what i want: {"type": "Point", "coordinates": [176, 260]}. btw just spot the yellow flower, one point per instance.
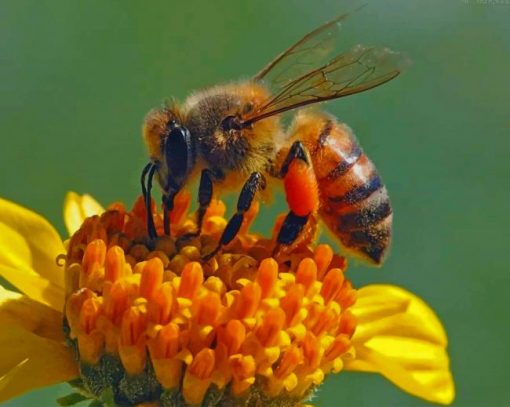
{"type": "Point", "coordinates": [139, 321]}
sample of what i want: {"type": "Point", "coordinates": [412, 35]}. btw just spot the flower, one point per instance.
{"type": "Point", "coordinates": [130, 320]}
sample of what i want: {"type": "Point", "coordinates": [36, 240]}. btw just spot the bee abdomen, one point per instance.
{"type": "Point", "coordinates": [360, 192]}
{"type": "Point", "coordinates": [354, 201]}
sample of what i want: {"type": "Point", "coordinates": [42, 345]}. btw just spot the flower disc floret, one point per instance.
{"type": "Point", "coordinates": [150, 321]}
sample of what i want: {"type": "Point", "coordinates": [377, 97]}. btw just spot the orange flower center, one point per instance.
{"type": "Point", "coordinates": [150, 321]}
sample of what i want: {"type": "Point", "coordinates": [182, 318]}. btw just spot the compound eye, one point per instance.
{"type": "Point", "coordinates": [178, 152]}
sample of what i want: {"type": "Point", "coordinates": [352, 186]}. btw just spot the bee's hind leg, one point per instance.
{"type": "Point", "coordinates": [302, 196]}
{"type": "Point", "coordinates": [250, 188]}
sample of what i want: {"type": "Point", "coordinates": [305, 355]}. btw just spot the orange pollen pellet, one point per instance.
{"type": "Point", "coordinates": [290, 360]}
{"type": "Point", "coordinates": [132, 326]}
{"type": "Point", "coordinates": [332, 284]}
{"type": "Point", "coordinates": [301, 189]}
{"type": "Point", "coordinates": [269, 330]}
{"type": "Point", "coordinates": [94, 253]}
{"type": "Point", "coordinates": [192, 278]}
{"type": "Point", "coordinates": [115, 263]}
{"type": "Point", "coordinates": [202, 365]}
{"type": "Point", "coordinates": [267, 275]}
{"type": "Point", "coordinates": [306, 273]}
{"type": "Point", "coordinates": [89, 313]}
{"type": "Point", "coordinates": [152, 277]}
{"type": "Point", "coordinates": [248, 300]}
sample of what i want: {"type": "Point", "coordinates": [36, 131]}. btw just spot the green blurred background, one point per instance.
{"type": "Point", "coordinates": [76, 79]}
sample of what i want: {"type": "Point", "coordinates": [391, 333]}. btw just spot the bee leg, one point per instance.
{"type": "Point", "coordinates": [148, 172]}
{"type": "Point", "coordinates": [205, 194]}
{"type": "Point", "coordinates": [166, 218]}
{"type": "Point", "coordinates": [297, 151]}
{"type": "Point", "coordinates": [254, 183]}
{"type": "Point", "coordinates": [291, 228]}
{"type": "Point", "coordinates": [168, 205]}
{"type": "Point", "coordinates": [301, 192]}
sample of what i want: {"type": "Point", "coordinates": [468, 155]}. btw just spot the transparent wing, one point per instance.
{"type": "Point", "coordinates": [310, 52]}
{"type": "Point", "coordinates": [354, 71]}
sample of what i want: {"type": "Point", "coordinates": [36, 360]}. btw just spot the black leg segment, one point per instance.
{"type": "Point", "coordinates": [166, 217]}
{"type": "Point", "coordinates": [205, 194]}
{"type": "Point", "coordinates": [250, 188]}
{"type": "Point", "coordinates": [291, 228]}
{"type": "Point", "coordinates": [168, 205]}
{"type": "Point", "coordinates": [297, 151]}
{"type": "Point", "coordinates": [148, 172]}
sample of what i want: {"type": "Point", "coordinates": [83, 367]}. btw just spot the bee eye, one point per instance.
{"type": "Point", "coordinates": [178, 152]}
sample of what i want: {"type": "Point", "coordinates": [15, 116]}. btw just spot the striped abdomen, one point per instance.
{"type": "Point", "coordinates": [354, 202]}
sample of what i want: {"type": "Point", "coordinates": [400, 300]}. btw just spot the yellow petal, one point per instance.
{"type": "Point", "coordinates": [29, 244]}
{"type": "Point", "coordinates": [77, 208]}
{"type": "Point", "coordinates": [32, 285]}
{"type": "Point", "coordinates": [46, 363]}
{"type": "Point", "coordinates": [17, 309]}
{"type": "Point", "coordinates": [399, 336]}
{"type": "Point", "coordinates": [31, 341]}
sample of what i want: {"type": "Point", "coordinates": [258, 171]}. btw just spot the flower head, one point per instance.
{"type": "Point", "coordinates": [240, 326]}
{"type": "Point", "coordinates": [149, 321]}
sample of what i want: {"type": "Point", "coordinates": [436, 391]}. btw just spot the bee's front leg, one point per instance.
{"type": "Point", "coordinates": [301, 192]}
{"type": "Point", "coordinates": [168, 205]}
{"type": "Point", "coordinates": [250, 188]}
{"type": "Point", "coordinates": [148, 172]}
{"type": "Point", "coordinates": [205, 194]}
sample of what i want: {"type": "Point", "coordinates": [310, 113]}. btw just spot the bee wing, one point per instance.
{"type": "Point", "coordinates": [299, 76]}
{"type": "Point", "coordinates": [310, 52]}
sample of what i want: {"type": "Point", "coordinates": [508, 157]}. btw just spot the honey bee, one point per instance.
{"type": "Point", "coordinates": [232, 137]}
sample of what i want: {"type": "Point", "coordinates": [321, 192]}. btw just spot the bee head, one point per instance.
{"type": "Point", "coordinates": [170, 147]}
